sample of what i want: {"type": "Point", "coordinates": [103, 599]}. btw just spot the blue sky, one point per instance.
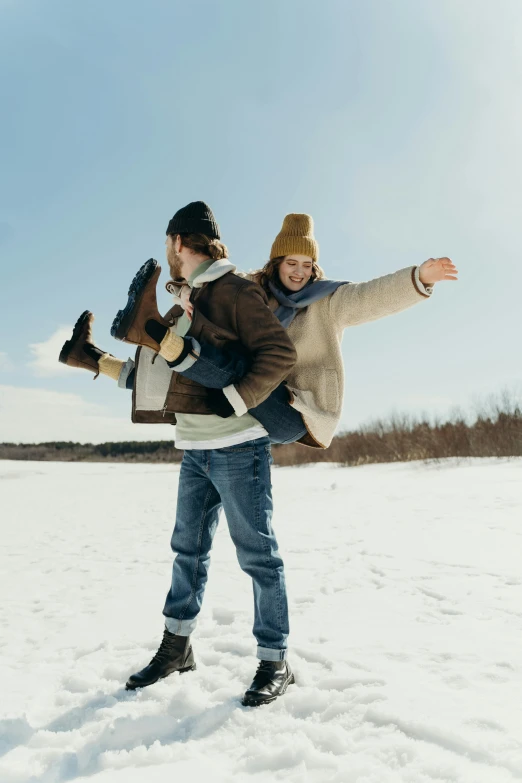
{"type": "Point", "coordinates": [395, 124]}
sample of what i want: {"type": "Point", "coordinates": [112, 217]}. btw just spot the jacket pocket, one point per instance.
{"type": "Point", "coordinates": [322, 385]}
{"type": "Point", "coordinates": [183, 385]}
{"type": "Point", "coordinates": [214, 337]}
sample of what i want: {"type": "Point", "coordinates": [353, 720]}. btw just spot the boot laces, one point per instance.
{"type": "Point", "coordinates": [165, 649]}
{"type": "Point", "coordinates": [265, 670]}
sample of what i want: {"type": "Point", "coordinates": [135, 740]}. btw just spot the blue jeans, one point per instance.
{"type": "Point", "coordinates": [237, 479]}
{"type": "Point", "coordinates": [217, 368]}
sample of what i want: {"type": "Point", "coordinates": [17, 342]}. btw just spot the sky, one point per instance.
{"type": "Point", "coordinates": [396, 125]}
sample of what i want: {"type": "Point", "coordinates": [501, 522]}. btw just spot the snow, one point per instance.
{"type": "Point", "coordinates": [406, 612]}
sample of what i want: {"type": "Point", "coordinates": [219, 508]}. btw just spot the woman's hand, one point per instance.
{"type": "Point", "coordinates": [185, 301]}
{"type": "Point", "coordinates": [436, 269]}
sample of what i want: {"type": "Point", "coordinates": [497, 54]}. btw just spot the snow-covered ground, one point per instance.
{"type": "Point", "coordinates": [405, 590]}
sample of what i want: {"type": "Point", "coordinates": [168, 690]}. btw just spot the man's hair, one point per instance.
{"type": "Point", "coordinates": [269, 273]}
{"type": "Point", "coordinates": [200, 243]}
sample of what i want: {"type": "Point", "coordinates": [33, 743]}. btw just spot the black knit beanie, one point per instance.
{"type": "Point", "coordinates": [195, 218]}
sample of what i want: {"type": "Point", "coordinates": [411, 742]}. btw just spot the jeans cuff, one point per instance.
{"type": "Point", "coordinates": [126, 370]}
{"type": "Point", "coordinates": [180, 627]}
{"type": "Point", "coordinates": [269, 654]}
{"type": "Point", "coordinates": [191, 359]}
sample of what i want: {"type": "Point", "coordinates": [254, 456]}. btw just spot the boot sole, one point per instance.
{"type": "Point", "coordinates": [122, 322]}
{"type": "Point", "coordinates": [69, 344]}
{"type": "Point", "coordinates": [130, 686]}
{"type": "Point", "coordinates": [253, 702]}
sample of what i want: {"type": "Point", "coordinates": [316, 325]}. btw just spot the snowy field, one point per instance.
{"type": "Point", "coordinates": [405, 586]}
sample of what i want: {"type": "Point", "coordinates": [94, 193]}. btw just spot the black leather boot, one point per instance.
{"type": "Point", "coordinates": [271, 680]}
{"type": "Point", "coordinates": [174, 655]}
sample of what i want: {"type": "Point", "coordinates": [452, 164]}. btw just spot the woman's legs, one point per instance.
{"type": "Point", "coordinates": [280, 419]}
{"type": "Point", "coordinates": [216, 368]}
{"type": "Point", "coordinates": [80, 351]}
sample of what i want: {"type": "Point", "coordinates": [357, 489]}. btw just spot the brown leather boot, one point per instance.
{"type": "Point", "coordinates": [130, 323]}
{"type": "Point", "coordinates": [74, 350]}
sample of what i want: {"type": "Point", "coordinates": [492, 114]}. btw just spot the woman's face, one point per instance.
{"type": "Point", "coordinates": [295, 271]}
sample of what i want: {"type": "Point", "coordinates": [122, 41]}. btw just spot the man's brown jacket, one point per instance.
{"type": "Point", "coordinates": [231, 313]}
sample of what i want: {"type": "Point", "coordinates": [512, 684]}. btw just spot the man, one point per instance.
{"type": "Point", "coordinates": [227, 459]}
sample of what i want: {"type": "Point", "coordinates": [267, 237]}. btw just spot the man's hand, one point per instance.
{"type": "Point", "coordinates": [436, 269]}
{"type": "Point", "coordinates": [185, 301]}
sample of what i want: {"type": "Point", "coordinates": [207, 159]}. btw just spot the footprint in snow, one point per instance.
{"type": "Point", "coordinates": [377, 571]}
{"type": "Point", "coordinates": [432, 594]}
{"type": "Point", "coordinates": [505, 665]}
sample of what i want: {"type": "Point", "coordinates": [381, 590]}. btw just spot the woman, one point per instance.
{"type": "Point", "coordinates": [315, 311]}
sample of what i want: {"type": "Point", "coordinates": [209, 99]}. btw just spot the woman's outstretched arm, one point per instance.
{"type": "Point", "coordinates": [358, 303]}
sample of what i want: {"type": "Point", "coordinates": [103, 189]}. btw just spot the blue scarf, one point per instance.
{"type": "Point", "coordinates": [289, 304]}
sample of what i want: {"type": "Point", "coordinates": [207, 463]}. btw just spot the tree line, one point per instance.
{"type": "Point", "coordinates": [495, 431]}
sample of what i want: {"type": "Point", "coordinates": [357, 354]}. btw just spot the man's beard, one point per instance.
{"type": "Point", "coordinates": [175, 264]}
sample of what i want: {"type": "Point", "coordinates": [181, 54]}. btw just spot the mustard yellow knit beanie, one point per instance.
{"type": "Point", "coordinates": [296, 236]}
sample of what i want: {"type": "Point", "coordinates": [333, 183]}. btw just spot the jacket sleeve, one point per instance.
{"type": "Point", "coordinates": [357, 303]}
{"type": "Point", "coordinates": [271, 350]}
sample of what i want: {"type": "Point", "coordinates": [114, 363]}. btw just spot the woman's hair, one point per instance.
{"type": "Point", "coordinates": [200, 243]}
{"type": "Point", "coordinates": [269, 273]}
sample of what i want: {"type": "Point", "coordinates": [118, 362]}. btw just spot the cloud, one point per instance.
{"type": "Point", "coordinates": [6, 365]}
{"type": "Point", "coordinates": [40, 415]}
{"type": "Point", "coordinates": [45, 362]}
